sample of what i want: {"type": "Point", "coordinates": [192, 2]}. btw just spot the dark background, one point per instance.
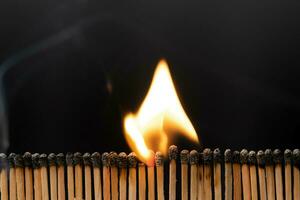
{"type": "Point", "coordinates": [70, 70]}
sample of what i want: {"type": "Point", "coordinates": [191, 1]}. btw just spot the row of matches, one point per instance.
{"type": "Point", "coordinates": [205, 175]}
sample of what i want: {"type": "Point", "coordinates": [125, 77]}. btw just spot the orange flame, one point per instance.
{"type": "Point", "coordinates": [159, 117]}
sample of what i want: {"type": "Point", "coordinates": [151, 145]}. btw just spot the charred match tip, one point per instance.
{"type": "Point", "coordinates": [87, 159]}
{"type": "Point", "coordinates": [184, 156]}
{"type": "Point", "coordinates": [52, 159]}
{"type": "Point", "coordinates": [217, 155]}
{"type": "Point", "coordinates": [122, 160]}
{"type": "Point", "coordinates": [11, 159]}
{"type": "Point", "coordinates": [27, 157]}
{"type": "Point", "coordinates": [69, 158]}
{"type": "Point", "coordinates": [96, 159]}
{"type": "Point", "coordinates": [3, 160]}
{"type": "Point", "coordinates": [287, 155]}
{"type": "Point", "coordinates": [228, 156]}
{"type": "Point", "coordinates": [105, 159]}
{"type": "Point", "coordinates": [19, 161]}
{"type": "Point", "coordinates": [35, 161]}
{"type": "Point", "coordinates": [252, 158]}
{"type": "Point", "coordinates": [173, 151]}
{"type": "Point", "coordinates": [269, 157]}
{"type": "Point", "coordinates": [296, 157]}
{"type": "Point", "coordinates": [236, 157]}
{"type": "Point", "coordinates": [207, 156]}
{"type": "Point", "coordinates": [77, 158]}
{"type": "Point", "coordinates": [43, 160]}
{"type": "Point", "coordinates": [132, 160]}
{"type": "Point", "coordinates": [277, 156]}
{"type": "Point", "coordinates": [113, 159]}
{"type": "Point", "coordinates": [260, 156]}
{"type": "Point", "coordinates": [60, 159]}
{"type": "Point", "coordinates": [159, 159]}
{"type": "Point", "coordinates": [244, 156]}
{"type": "Point", "coordinates": [194, 157]}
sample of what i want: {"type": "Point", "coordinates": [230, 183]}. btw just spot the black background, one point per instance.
{"type": "Point", "coordinates": [72, 69]}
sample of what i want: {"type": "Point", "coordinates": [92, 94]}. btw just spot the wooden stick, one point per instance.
{"type": "Point", "coordinates": [53, 176]}
{"type": "Point", "coordinates": [123, 175]}
{"type": "Point", "coordinates": [228, 174]}
{"type": "Point", "coordinates": [172, 173]}
{"type": "Point", "coordinates": [28, 176]}
{"type": "Point", "coordinates": [3, 177]}
{"type": "Point", "coordinates": [70, 174]}
{"type": "Point", "coordinates": [245, 175]}
{"type": "Point", "coordinates": [277, 158]}
{"type": "Point", "coordinates": [237, 181]}
{"type": "Point", "coordinates": [106, 176]}
{"type": "Point", "coordinates": [194, 160]}
{"type": "Point", "coordinates": [37, 176]}
{"type": "Point", "coordinates": [159, 162]}
{"type": "Point", "coordinates": [184, 159]}
{"type": "Point", "coordinates": [253, 176]}
{"type": "Point", "coordinates": [262, 174]}
{"type": "Point", "coordinates": [201, 193]}
{"type": "Point", "coordinates": [113, 157]}
{"type": "Point", "coordinates": [20, 180]}
{"type": "Point", "coordinates": [87, 176]}
{"type": "Point", "coordinates": [270, 175]}
{"type": "Point", "coordinates": [44, 176]}
{"type": "Point", "coordinates": [12, 177]}
{"type": "Point", "coordinates": [296, 170]}
{"type": "Point", "coordinates": [217, 174]}
{"type": "Point", "coordinates": [288, 174]}
{"type": "Point", "coordinates": [96, 160]}
{"type": "Point", "coordinates": [77, 159]}
{"type": "Point", "coordinates": [132, 176]}
{"type": "Point", "coordinates": [207, 160]}
{"type": "Point", "coordinates": [142, 181]}
{"type": "Point", "coordinates": [151, 176]}
{"type": "Point", "coordinates": [60, 159]}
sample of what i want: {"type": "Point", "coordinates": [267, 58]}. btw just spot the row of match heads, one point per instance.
{"type": "Point", "coordinates": [122, 160]}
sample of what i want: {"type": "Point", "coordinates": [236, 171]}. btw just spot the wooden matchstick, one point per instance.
{"type": "Point", "coordinates": [173, 151]}
{"type": "Point", "coordinates": [77, 161]}
{"type": "Point", "coordinates": [142, 181]}
{"type": "Point", "coordinates": [106, 176]}
{"type": "Point", "coordinates": [201, 193]}
{"type": "Point", "coordinates": [194, 160]}
{"type": "Point", "coordinates": [237, 181]}
{"type": "Point", "coordinates": [270, 175]}
{"type": "Point", "coordinates": [12, 177]}
{"type": "Point", "coordinates": [132, 176]}
{"type": "Point", "coordinates": [288, 174]}
{"type": "Point", "coordinates": [3, 177]}
{"type": "Point", "coordinates": [53, 176]}
{"type": "Point", "coordinates": [87, 176]}
{"type": "Point", "coordinates": [228, 174]}
{"type": "Point", "coordinates": [70, 176]}
{"type": "Point", "coordinates": [217, 174]}
{"type": "Point", "coordinates": [96, 160]}
{"type": "Point", "coordinates": [207, 161]}
{"type": "Point", "coordinates": [262, 174]}
{"type": "Point", "coordinates": [253, 176]}
{"type": "Point", "coordinates": [296, 170]}
{"type": "Point", "coordinates": [123, 175]}
{"type": "Point", "coordinates": [28, 176]}
{"type": "Point", "coordinates": [184, 159]}
{"type": "Point", "coordinates": [159, 162]}
{"type": "Point", "coordinates": [20, 180]}
{"type": "Point", "coordinates": [37, 176]}
{"type": "Point", "coordinates": [44, 176]}
{"type": "Point", "coordinates": [151, 177]}
{"type": "Point", "coordinates": [245, 175]}
{"type": "Point", "coordinates": [277, 159]}
{"type": "Point", "coordinates": [60, 159]}
{"type": "Point", "coordinates": [113, 159]}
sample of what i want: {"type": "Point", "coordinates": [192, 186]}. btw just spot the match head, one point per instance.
{"type": "Point", "coordinates": [194, 157]}
{"type": "Point", "coordinates": [244, 156]}
{"type": "Point", "coordinates": [173, 151]}
{"type": "Point", "coordinates": [19, 162]}
{"type": "Point", "coordinates": [60, 159]}
{"type": "Point", "coordinates": [207, 156]}
{"type": "Point", "coordinates": [113, 159]}
{"type": "Point", "coordinates": [269, 157]}
{"type": "Point", "coordinates": [77, 159]}
{"type": "Point", "coordinates": [217, 156]}
{"type": "Point", "coordinates": [184, 156]}
{"type": "Point", "coordinates": [277, 156]}
{"type": "Point", "coordinates": [252, 158]}
{"type": "Point", "coordinates": [52, 159]}
{"type": "Point", "coordinates": [228, 156]}
{"type": "Point", "coordinates": [27, 157]}
{"type": "Point", "coordinates": [260, 156]}
{"type": "Point", "coordinates": [87, 159]}
{"type": "Point", "coordinates": [105, 159]}
{"type": "Point", "coordinates": [3, 160]}
{"type": "Point", "coordinates": [132, 160]}
{"type": "Point", "coordinates": [11, 159]}
{"type": "Point", "coordinates": [296, 157]}
{"type": "Point", "coordinates": [236, 157]}
{"type": "Point", "coordinates": [159, 159]}
{"type": "Point", "coordinates": [35, 161]}
{"type": "Point", "coordinates": [122, 160]}
{"type": "Point", "coordinates": [69, 158]}
{"type": "Point", "coordinates": [96, 159]}
{"type": "Point", "coordinates": [288, 155]}
{"type": "Point", "coordinates": [43, 160]}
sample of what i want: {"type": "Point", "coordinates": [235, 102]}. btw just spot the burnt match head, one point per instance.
{"type": "Point", "coordinates": [252, 158]}
{"type": "Point", "coordinates": [194, 157]}
{"type": "Point", "coordinates": [217, 155]}
{"type": "Point", "coordinates": [228, 156]}
{"type": "Point", "coordinates": [77, 158]}
{"type": "Point", "coordinates": [260, 157]}
{"type": "Point", "coordinates": [105, 159]}
{"type": "Point", "coordinates": [277, 156]}
{"type": "Point", "coordinates": [159, 159]}
{"type": "Point", "coordinates": [11, 159]}
{"type": "Point", "coordinates": [122, 160]}
{"type": "Point", "coordinates": [296, 157]}
{"type": "Point", "coordinates": [184, 156]}
{"type": "Point", "coordinates": [35, 161]}
{"type": "Point", "coordinates": [96, 159]}
{"type": "Point", "coordinates": [207, 156]}
{"type": "Point", "coordinates": [113, 159]}
{"type": "Point", "coordinates": [60, 159]}
{"type": "Point", "coordinates": [132, 160]}
{"type": "Point", "coordinates": [269, 157]}
{"type": "Point", "coordinates": [244, 156]}
{"type": "Point", "coordinates": [43, 160]}
{"type": "Point", "coordinates": [19, 162]}
{"type": "Point", "coordinates": [27, 157]}
{"type": "Point", "coordinates": [236, 157]}
{"type": "Point", "coordinates": [69, 158]}
{"type": "Point", "coordinates": [87, 159]}
{"type": "Point", "coordinates": [173, 151]}
{"type": "Point", "coordinates": [288, 155]}
{"type": "Point", "coordinates": [3, 160]}
{"type": "Point", "coordinates": [52, 159]}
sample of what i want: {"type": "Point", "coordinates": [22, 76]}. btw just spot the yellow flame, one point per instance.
{"type": "Point", "coordinates": [159, 117]}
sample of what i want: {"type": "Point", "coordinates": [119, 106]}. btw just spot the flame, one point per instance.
{"type": "Point", "coordinates": [159, 117]}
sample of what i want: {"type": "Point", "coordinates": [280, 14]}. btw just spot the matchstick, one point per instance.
{"type": "Point", "coordinates": [113, 159]}
{"type": "Point", "coordinates": [194, 160]}
{"type": "Point", "coordinates": [277, 158]}
{"type": "Point", "coordinates": [60, 159]}
{"type": "Point", "coordinates": [288, 174]}
{"type": "Point", "coordinates": [260, 157]}
{"type": "Point", "coordinates": [228, 174]}
{"type": "Point", "coordinates": [132, 176]}
{"type": "Point", "coordinates": [217, 174]}
{"type": "Point", "coordinates": [159, 162]}
{"type": "Point", "coordinates": [28, 176]}
{"type": "Point", "coordinates": [123, 175]}
{"type": "Point", "coordinates": [207, 161]}
{"type": "Point", "coordinates": [151, 177]}
{"type": "Point", "coordinates": [245, 175]}
{"type": "Point", "coordinates": [53, 176]}
{"type": "Point", "coordinates": [3, 177]}
{"type": "Point", "coordinates": [106, 176]}
{"type": "Point", "coordinates": [37, 176]}
{"type": "Point", "coordinates": [184, 159]}
{"type": "Point", "coordinates": [77, 161]}
{"type": "Point", "coordinates": [20, 180]}
{"type": "Point", "coordinates": [70, 176]}
{"type": "Point", "coordinates": [270, 175]}
{"type": "Point", "coordinates": [201, 193]}
{"type": "Point", "coordinates": [296, 170]}
{"type": "Point", "coordinates": [173, 151]}
{"type": "Point", "coordinates": [237, 181]}
{"type": "Point", "coordinates": [96, 160]}
{"type": "Point", "coordinates": [12, 177]}
{"type": "Point", "coordinates": [44, 176]}
{"type": "Point", "coordinates": [253, 176]}
{"type": "Point", "coordinates": [87, 176]}
{"type": "Point", "coordinates": [142, 181]}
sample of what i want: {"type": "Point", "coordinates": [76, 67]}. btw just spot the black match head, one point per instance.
{"type": "Point", "coordinates": [207, 156]}
{"type": "Point", "coordinates": [236, 157]}
{"type": "Point", "coordinates": [184, 156]}
{"type": "Point", "coordinates": [96, 159]}
{"type": "Point", "coordinates": [11, 159]}
{"type": "Point", "coordinates": [159, 159]}
{"type": "Point", "coordinates": [52, 159]}
{"type": "Point", "coordinates": [87, 159]}
{"type": "Point", "coordinates": [122, 160]}
{"type": "Point", "coordinates": [288, 155]}
{"type": "Point", "coordinates": [260, 157]}
{"type": "Point", "coordinates": [277, 156]}
{"type": "Point", "coordinates": [19, 162]}
{"type": "Point", "coordinates": [252, 158]}
{"type": "Point", "coordinates": [194, 157]}
{"type": "Point", "coordinates": [269, 157]}
{"type": "Point", "coordinates": [113, 159]}
{"type": "Point", "coordinates": [105, 159]}
{"type": "Point", "coordinates": [77, 158]}
{"type": "Point", "coordinates": [228, 156]}
{"type": "Point", "coordinates": [3, 160]}
{"type": "Point", "coordinates": [69, 158]}
{"type": "Point", "coordinates": [296, 157]}
{"type": "Point", "coordinates": [43, 160]}
{"type": "Point", "coordinates": [217, 155]}
{"type": "Point", "coordinates": [132, 160]}
{"type": "Point", "coordinates": [244, 156]}
{"type": "Point", "coordinates": [173, 151]}
{"type": "Point", "coordinates": [60, 159]}
{"type": "Point", "coordinates": [27, 157]}
{"type": "Point", "coordinates": [35, 161]}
